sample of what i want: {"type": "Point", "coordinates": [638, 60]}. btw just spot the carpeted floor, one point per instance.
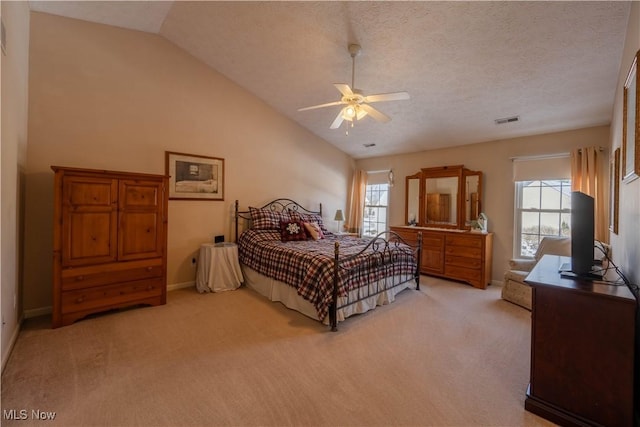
{"type": "Point", "coordinates": [448, 355]}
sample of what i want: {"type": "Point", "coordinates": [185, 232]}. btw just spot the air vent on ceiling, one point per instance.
{"type": "Point", "coordinates": [369, 145]}
{"type": "Point", "coordinates": [507, 120]}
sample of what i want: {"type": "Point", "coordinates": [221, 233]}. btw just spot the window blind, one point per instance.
{"type": "Point", "coordinates": [542, 168]}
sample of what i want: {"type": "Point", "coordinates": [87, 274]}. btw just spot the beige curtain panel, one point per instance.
{"type": "Point", "coordinates": [588, 175]}
{"type": "Point", "coordinates": [356, 203]}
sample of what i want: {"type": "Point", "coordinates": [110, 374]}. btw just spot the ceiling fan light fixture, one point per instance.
{"type": "Point", "coordinates": [349, 112]}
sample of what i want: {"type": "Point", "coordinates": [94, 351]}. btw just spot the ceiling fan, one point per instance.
{"type": "Point", "coordinates": [356, 104]}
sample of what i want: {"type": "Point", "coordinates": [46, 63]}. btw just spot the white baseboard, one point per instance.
{"type": "Point", "coordinates": [12, 343]}
{"type": "Point", "coordinates": [182, 285]}
{"type": "Point", "coordinates": [35, 312]}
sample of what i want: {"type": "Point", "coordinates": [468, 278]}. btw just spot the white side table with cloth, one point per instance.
{"type": "Point", "coordinates": [218, 268]}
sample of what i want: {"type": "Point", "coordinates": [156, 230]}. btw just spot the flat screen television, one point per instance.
{"type": "Point", "coordinates": [582, 236]}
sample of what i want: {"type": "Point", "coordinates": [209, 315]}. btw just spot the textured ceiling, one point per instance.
{"type": "Point", "coordinates": [465, 64]}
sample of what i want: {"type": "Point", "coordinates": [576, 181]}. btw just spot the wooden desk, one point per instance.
{"type": "Point", "coordinates": [582, 349]}
{"type": "Point", "coordinates": [218, 268]}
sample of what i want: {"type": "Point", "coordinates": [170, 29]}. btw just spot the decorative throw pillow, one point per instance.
{"type": "Point", "coordinates": [266, 219]}
{"type": "Point", "coordinates": [292, 230]}
{"type": "Point", "coordinates": [313, 230]}
{"type": "Point", "coordinates": [309, 217]}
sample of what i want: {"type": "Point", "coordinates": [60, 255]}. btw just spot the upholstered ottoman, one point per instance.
{"type": "Point", "coordinates": [515, 290]}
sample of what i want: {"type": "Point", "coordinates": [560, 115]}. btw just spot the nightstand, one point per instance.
{"type": "Point", "coordinates": [218, 268]}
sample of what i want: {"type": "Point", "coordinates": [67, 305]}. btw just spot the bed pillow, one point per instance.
{"type": "Point", "coordinates": [292, 230]}
{"type": "Point", "coordinates": [309, 217]}
{"type": "Point", "coordinates": [266, 219]}
{"type": "Point", "coordinates": [313, 230]}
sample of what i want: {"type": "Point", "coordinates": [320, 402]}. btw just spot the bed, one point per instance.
{"type": "Point", "coordinates": [287, 255]}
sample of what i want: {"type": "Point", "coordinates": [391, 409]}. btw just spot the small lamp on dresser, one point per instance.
{"type": "Point", "coordinates": [339, 217]}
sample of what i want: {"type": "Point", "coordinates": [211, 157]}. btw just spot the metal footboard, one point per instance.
{"type": "Point", "coordinates": [385, 251]}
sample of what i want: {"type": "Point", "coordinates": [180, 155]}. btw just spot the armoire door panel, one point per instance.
{"type": "Point", "coordinates": [88, 193]}
{"type": "Point", "coordinates": [140, 224]}
{"type": "Point", "coordinates": [89, 237]}
{"type": "Point", "coordinates": [140, 195]}
{"type": "Point", "coordinates": [89, 221]}
{"type": "Point", "coordinates": [139, 235]}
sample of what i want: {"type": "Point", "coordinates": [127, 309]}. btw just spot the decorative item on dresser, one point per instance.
{"type": "Point", "coordinates": [109, 241]}
{"type": "Point", "coordinates": [444, 204]}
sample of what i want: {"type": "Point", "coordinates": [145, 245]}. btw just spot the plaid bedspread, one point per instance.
{"type": "Point", "coordinates": [308, 265]}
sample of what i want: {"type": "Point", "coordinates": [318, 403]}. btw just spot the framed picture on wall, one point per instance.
{"type": "Point", "coordinates": [614, 191]}
{"type": "Point", "coordinates": [194, 177]}
{"type": "Point", "coordinates": [631, 125]}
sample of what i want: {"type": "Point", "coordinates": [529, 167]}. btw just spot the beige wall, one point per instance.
{"type": "Point", "coordinates": [15, 71]}
{"type": "Point", "coordinates": [109, 98]}
{"type": "Point", "coordinates": [494, 160]}
{"type": "Point", "coordinates": [626, 244]}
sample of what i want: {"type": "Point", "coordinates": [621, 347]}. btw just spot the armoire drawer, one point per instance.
{"type": "Point", "coordinates": [110, 295]}
{"type": "Point", "coordinates": [104, 274]}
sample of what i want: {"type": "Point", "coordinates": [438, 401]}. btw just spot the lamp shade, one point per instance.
{"type": "Point", "coordinates": [339, 215]}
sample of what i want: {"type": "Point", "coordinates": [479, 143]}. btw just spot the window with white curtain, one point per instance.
{"type": "Point", "coordinates": [376, 203]}
{"type": "Point", "coordinates": [542, 201]}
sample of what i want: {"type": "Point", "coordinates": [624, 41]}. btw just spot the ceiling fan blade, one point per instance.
{"type": "Point", "coordinates": [395, 96]}
{"type": "Point", "coordinates": [375, 113]}
{"type": "Point", "coordinates": [344, 89]}
{"type": "Point", "coordinates": [338, 121]}
{"type": "Point", "coordinates": [328, 104]}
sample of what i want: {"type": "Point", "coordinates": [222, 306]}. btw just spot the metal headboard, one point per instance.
{"type": "Point", "coordinates": [277, 205]}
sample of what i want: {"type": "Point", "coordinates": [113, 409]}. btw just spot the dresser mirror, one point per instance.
{"type": "Point", "coordinates": [472, 195]}
{"type": "Point", "coordinates": [412, 208]}
{"type": "Point", "coordinates": [441, 201]}
{"type": "Point", "coordinates": [443, 197]}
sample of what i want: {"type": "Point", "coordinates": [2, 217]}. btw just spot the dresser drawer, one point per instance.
{"type": "Point", "coordinates": [466, 240]}
{"type": "Point", "coordinates": [104, 274]}
{"type": "Point", "coordinates": [460, 261]}
{"type": "Point", "coordinates": [471, 275]}
{"type": "Point", "coordinates": [464, 251]}
{"type": "Point", "coordinates": [111, 295]}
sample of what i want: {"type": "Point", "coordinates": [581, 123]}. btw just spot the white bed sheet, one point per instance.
{"type": "Point", "coordinates": [287, 295]}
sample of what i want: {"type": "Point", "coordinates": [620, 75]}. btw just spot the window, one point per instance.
{"type": "Point", "coordinates": [375, 209]}
{"type": "Point", "coordinates": [543, 208]}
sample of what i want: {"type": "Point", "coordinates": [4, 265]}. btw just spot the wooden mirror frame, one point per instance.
{"type": "Point", "coordinates": [418, 219]}
{"type": "Point", "coordinates": [472, 215]}
{"type": "Point", "coordinates": [441, 172]}
{"type": "Point", "coordinates": [454, 171]}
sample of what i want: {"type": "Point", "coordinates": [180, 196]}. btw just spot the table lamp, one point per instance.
{"type": "Point", "coordinates": [339, 217]}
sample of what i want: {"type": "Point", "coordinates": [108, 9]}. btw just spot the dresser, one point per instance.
{"type": "Point", "coordinates": [109, 241]}
{"type": "Point", "coordinates": [459, 255]}
{"type": "Point", "coordinates": [583, 351]}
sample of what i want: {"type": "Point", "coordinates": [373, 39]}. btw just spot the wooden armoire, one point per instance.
{"type": "Point", "coordinates": [109, 241]}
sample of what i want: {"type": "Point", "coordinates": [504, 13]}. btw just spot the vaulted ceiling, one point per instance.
{"type": "Point", "coordinates": [554, 65]}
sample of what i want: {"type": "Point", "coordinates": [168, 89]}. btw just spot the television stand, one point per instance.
{"type": "Point", "coordinates": [582, 349]}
